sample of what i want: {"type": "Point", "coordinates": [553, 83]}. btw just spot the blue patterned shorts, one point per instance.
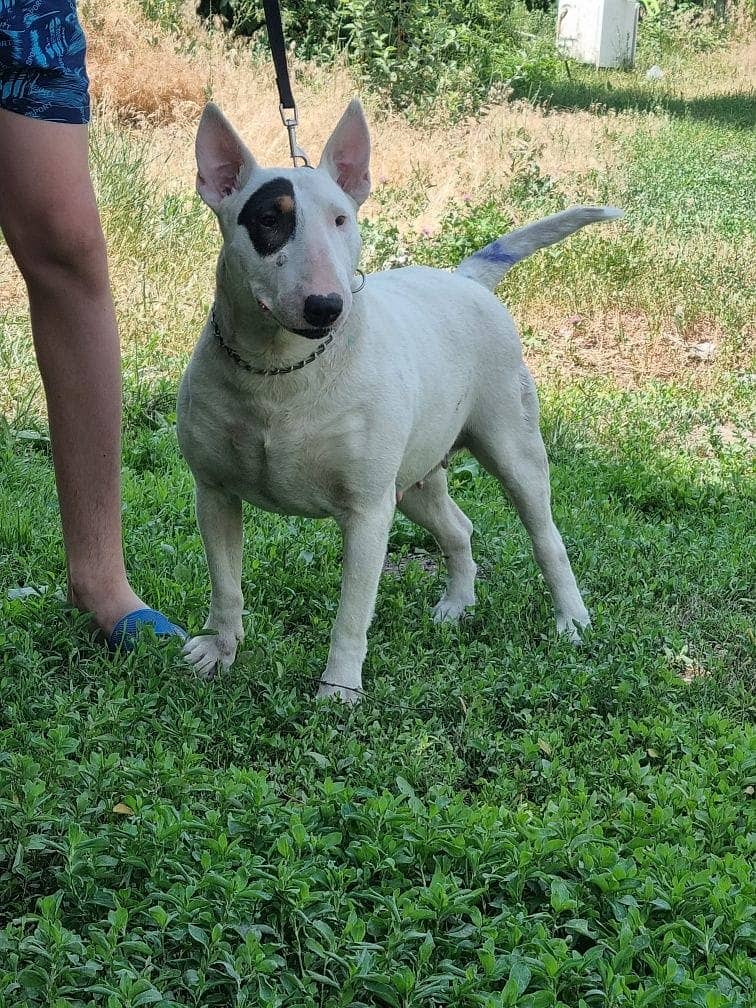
{"type": "Point", "coordinates": [42, 69]}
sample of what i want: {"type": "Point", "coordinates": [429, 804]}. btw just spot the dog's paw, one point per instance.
{"type": "Point", "coordinates": [207, 653]}
{"type": "Point", "coordinates": [571, 626]}
{"type": "Point", "coordinates": [348, 695]}
{"type": "Point", "coordinates": [450, 610]}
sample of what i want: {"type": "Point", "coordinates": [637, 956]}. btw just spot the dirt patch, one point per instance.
{"type": "Point", "coordinates": [12, 289]}
{"type": "Point", "coordinates": [707, 442]}
{"type": "Point", "coordinates": [625, 346]}
{"type": "Point", "coordinates": [395, 566]}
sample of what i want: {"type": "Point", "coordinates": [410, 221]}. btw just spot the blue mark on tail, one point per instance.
{"type": "Point", "coordinates": [496, 252]}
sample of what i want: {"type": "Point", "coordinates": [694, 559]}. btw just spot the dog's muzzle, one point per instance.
{"type": "Point", "coordinates": [316, 332]}
{"type": "Point", "coordinates": [322, 310]}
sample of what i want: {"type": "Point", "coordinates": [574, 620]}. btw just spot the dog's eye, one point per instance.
{"type": "Point", "coordinates": [268, 220]}
{"type": "Point", "coordinates": [340, 220]}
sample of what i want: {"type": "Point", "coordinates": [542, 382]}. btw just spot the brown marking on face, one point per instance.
{"type": "Point", "coordinates": [285, 204]}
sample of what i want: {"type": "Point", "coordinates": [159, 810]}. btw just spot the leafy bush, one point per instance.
{"type": "Point", "coordinates": [654, 8]}
{"type": "Point", "coordinates": [414, 51]}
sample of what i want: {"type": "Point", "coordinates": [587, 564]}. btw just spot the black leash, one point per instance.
{"type": "Point", "coordinates": [287, 105]}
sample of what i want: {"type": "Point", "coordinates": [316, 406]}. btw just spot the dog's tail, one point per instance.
{"type": "Point", "coordinates": [489, 264]}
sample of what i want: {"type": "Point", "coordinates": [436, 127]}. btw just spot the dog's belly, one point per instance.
{"type": "Point", "coordinates": [437, 429]}
{"type": "Point", "coordinates": [286, 468]}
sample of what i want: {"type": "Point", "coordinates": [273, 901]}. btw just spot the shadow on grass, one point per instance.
{"type": "Point", "coordinates": [736, 109]}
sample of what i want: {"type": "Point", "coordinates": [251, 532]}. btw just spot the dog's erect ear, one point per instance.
{"type": "Point", "coordinates": [223, 162]}
{"type": "Point", "coordinates": [346, 157]}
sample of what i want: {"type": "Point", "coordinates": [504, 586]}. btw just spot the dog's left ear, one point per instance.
{"type": "Point", "coordinates": [346, 157]}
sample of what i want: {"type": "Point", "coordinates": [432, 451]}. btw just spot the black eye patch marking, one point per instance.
{"type": "Point", "coordinates": [270, 216]}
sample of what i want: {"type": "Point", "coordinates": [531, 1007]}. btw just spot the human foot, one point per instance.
{"type": "Point", "coordinates": [128, 628]}
{"type": "Point", "coordinates": [118, 613]}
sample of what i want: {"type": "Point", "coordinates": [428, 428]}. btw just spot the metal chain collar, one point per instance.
{"type": "Point", "coordinates": [270, 371]}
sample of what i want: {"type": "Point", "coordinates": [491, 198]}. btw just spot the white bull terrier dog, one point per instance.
{"type": "Point", "coordinates": [417, 364]}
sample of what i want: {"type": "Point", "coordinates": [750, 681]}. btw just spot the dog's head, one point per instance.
{"type": "Point", "coordinates": [291, 240]}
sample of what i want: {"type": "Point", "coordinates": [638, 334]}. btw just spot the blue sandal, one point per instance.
{"type": "Point", "coordinates": [125, 632]}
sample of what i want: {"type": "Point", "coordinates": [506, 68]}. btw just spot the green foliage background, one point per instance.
{"type": "Point", "coordinates": [413, 52]}
{"type": "Point", "coordinates": [448, 56]}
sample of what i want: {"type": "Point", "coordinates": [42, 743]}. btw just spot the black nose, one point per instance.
{"type": "Point", "coordinates": [322, 310]}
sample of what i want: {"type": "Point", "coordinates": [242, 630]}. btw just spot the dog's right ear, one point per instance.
{"type": "Point", "coordinates": [223, 162]}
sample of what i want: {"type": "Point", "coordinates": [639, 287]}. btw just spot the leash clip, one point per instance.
{"type": "Point", "coordinates": [291, 122]}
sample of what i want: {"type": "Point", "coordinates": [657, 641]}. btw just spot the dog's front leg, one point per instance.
{"type": "Point", "coordinates": [365, 541]}
{"type": "Point", "coordinates": [220, 522]}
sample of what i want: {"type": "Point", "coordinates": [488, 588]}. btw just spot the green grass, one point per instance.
{"type": "Point", "coordinates": [506, 820]}
{"type": "Point", "coordinates": [503, 813]}
{"type": "Point", "coordinates": [685, 186]}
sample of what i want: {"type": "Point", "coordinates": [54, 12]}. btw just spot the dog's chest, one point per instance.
{"type": "Point", "coordinates": [269, 462]}
{"type": "Point", "coordinates": [287, 463]}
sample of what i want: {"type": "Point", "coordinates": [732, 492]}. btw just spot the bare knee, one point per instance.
{"type": "Point", "coordinates": [58, 249]}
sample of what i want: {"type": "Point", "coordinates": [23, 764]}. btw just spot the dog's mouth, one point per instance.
{"type": "Point", "coordinates": [312, 333]}
{"type": "Point", "coordinates": [309, 333]}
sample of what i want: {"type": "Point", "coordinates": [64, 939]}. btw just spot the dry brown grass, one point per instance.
{"type": "Point", "coordinates": [12, 290]}
{"type": "Point", "coordinates": [626, 346]}
{"type": "Point", "coordinates": [143, 84]}
{"type": "Point", "coordinates": [139, 77]}
{"type": "Point", "coordinates": [134, 68]}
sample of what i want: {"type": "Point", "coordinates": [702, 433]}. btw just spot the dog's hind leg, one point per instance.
{"type": "Point", "coordinates": [431, 507]}
{"type": "Point", "coordinates": [514, 452]}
